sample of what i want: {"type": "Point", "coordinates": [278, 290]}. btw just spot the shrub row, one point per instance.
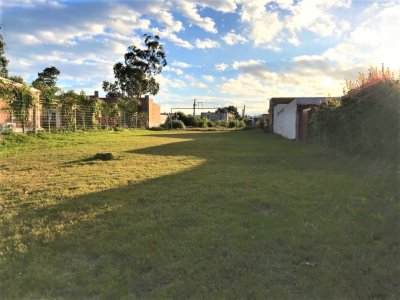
{"type": "Point", "coordinates": [364, 121]}
{"type": "Point", "coordinates": [184, 121]}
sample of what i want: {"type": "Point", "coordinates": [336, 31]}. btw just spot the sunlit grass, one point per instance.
{"type": "Point", "coordinates": [194, 214]}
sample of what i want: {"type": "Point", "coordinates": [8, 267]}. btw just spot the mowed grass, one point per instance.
{"type": "Point", "coordinates": [231, 214]}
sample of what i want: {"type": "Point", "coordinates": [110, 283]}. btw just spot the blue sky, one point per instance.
{"type": "Point", "coordinates": [221, 52]}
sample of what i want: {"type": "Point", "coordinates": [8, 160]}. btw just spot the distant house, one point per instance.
{"type": "Point", "coordinates": [289, 116]}
{"type": "Point", "coordinates": [7, 118]}
{"type": "Point", "coordinates": [214, 116]}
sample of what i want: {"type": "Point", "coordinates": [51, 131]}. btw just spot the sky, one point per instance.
{"type": "Point", "coordinates": [219, 52]}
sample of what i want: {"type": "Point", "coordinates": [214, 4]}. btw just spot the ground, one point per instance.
{"type": "Point", "coordinates": [231, 214]}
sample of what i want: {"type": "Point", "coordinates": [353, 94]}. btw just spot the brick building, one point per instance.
{"type": "Point", "coordinates": [7, 119]}
{"type": "Point", "coordinates": [147, 107]}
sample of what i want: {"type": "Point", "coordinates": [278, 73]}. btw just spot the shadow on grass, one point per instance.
{"type": "Point", "coordinates": [244, 224]}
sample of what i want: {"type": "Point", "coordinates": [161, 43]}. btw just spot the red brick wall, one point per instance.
{"type": "Point", "coordinates": [153, 111]}
{"type": "Point", "coordinates": [34, 114]}
{"type": "Point", "coordinates": [154, 114]}
{"type": "Point", "coordinates": [4, 115]}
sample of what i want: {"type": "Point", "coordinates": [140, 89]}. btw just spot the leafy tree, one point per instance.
{"type": "Point", "coordinates": [110, 111]}
{"type": "Point", "coordinates": [229, 109]}
{"type": "Point", "coordinates": [19, 99]}
{"type": "Point", "coordinates": [69, 105]}
{"type": "Point", "coordinates": [48, 76]}
{"type": "Point", "coordinates": [135, 77]}
{"type": "Point", "coordinates": [3, 59]}
{"type": "Point", "coordinates": [85, 107]}
{"type": "Point", "coordinates": [128, 110]}
{"type": "Point", "coordinates": [46, 83]}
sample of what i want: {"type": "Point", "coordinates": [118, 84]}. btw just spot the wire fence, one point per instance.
{"type": "Point", "coordinates": [58, 118]}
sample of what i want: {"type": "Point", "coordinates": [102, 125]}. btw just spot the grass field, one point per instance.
{"type": "Point", "coordinates": [231, 214]}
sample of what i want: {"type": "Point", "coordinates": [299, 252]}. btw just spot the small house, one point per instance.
{"type": "Point", "coordinates": [289, 116]}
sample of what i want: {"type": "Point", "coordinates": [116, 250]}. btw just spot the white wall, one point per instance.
{"type": "Point", "coordinates": [285, 118]}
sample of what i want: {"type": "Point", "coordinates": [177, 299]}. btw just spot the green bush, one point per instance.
{"type": "Point", "coordinates": [232, 124]}
{"type": "Point", "coordinates": [365, 121]}
{"type": "Point", "coordinates": [210, 123]}
{"type": "Point", "coordinates": [191, 121]}
{"type": "Point", "coordinates": [221, 123]}
{"type": "Point", "coordinates": [178, 124]}
{"type": "Point", "coordinates": [183, 117]}
{"type": "Point", "coordinates": [202, 122]}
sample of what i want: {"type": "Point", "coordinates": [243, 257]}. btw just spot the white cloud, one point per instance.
{"type": "Point", "coordinates": [166, 82]}
{"type": "Point", "coordinates": [232, 38]}
{"type": "Point", "coordinates": [268, 27]}
{"type": "Point", "coordinates": [174, 70]}
{"type": "Point", "coordinates": [317, 18]}
{"type": "Point", "coordinates": [205, 44]}
{"type": "Point", "coordinates": [221, 67]}
{"type": "Point", "coordinates": [166, 34]}
{"type": "Point", "coordinates": [200, 85]}
{"type": "Point", "coordinates": [32, 3]}
{"type": "Point", "coordinates": [285, 4]}
{"type": "Point", "coordinates": [208, 78]}
{"type": "Point", "coordinates": [189, 10]}
{"type": "Point", "coordinates": [165, 17]}
{"type": "Point", "coordinates": [219, 5]}
{"type": "Point", "coordinates": [247, 64]}
{"type": "Point", "coordinates": [125, 20]}
{"type": "Point", "coordinates": [264, 25]}
{"type": "Point", "coordinates": [180, 64]}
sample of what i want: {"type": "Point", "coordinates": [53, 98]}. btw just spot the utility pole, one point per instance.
{"type": "Point", "coordinates": [194, 107]}
{"type": "Point", "coordinates": [243, 111]}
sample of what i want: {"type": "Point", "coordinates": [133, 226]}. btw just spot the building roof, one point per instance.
{"type": "Point", "coordinates": [6, 80]}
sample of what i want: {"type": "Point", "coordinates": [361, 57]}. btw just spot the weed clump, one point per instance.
{"type": "Point", "coordinates": [103, 156]}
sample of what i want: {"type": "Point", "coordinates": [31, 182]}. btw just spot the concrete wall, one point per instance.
{"type": "Point", "coordinates": [212, 116]}
{"type": "Point", "coordinates": [285, 119]}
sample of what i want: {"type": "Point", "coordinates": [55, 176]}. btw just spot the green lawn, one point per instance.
{"type": "Point", "coordinates": [225, 214]}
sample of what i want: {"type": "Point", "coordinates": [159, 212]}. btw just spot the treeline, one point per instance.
{"type": "Point", "coordinates": [365, 121]}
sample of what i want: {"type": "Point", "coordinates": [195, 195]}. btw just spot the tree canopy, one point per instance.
{"type": "Point", "coordinates": [229, 109]}
{"type": "Point", "coordinates": [48, 77]}
{"type": "Point", "coordinates": [135, 77]}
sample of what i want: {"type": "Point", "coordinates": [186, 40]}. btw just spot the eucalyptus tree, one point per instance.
{"type": "Point", "coordinates": [46, 83]}
{"type": "Point", "coordinates": [3, 59]}
{"type": "Point", "coordinates": [135, 77]}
